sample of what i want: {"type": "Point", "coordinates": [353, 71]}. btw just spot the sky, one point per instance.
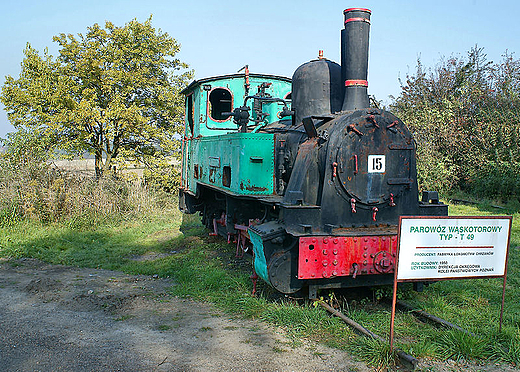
{"type": "Point", "coordinates": [274, 37]}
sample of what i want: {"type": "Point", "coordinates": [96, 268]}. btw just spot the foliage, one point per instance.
{"type": "Point", "coordinates": [32, 189]}
{"type": "Point", "coordinates": [457, 345]}
{"type": "Point", "coordinates": [465, 115]}
{"type": "Point", "coordinates": [25, 151]}
{"type": "Point", "coordinates": [163, 175]}
{"type": "Point", "coordinates": [23, 162]}
{"type": "Point", "coordinates": [112, 92]}
{"type": "Point", "coordinates": [375, 353]}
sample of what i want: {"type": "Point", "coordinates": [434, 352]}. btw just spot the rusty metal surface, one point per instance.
{"type": "Point", "coordinates": [367, 137]}
{"type": "Point", "coordinates": [239, 163]}
{"type": "Point", "coordinates": [333, 256]}
{"type": "Point", "coordinates": [347, 231]}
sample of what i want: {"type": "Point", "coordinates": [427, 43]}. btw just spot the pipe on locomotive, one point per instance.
{"type": "Point", "coordinates": [354, 58]}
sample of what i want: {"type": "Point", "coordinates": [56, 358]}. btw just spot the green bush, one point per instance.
{"type": "Point", "coordinates": [33, 189]}
{"type": "Point", "coordinates": [163, 177]}
{"type": "Point", "coordinates": [465, 117]}
{"type": "Point", "coordinates": [497, 178]}
{"type": "Point", "coordinates": [10, 215]}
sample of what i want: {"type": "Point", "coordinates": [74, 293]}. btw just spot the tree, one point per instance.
{"type": "Point", "coordinates": [113, 92]}
{"type": "Point", "coordinates": [465, 116]}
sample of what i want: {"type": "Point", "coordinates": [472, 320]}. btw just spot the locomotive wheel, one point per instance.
{"type": "Point", "coordinates": [282, 272]}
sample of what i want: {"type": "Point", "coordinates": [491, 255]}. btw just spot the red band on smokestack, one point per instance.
{"type": "Point", "coordinates": [357, 9]}
{"type": "Point", "coordinates": [357, 20]}
{"type": "Point", "coordinates": [356, 83]}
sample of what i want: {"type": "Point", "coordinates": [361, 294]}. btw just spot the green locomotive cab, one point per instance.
{"type": "Point", "coordinates": [215, 154]}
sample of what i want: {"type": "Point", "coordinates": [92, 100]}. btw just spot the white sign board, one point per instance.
{"type": "Point", "coordinates": [452, 247]}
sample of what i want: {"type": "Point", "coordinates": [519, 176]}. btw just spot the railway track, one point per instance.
{"type": "Point", "coordinates": [407, 360]}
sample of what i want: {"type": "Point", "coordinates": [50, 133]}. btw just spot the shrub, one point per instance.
{"type": "Point", "coordinates": [52, 195]}
{"type": "Point", "coordinates": [465, 117]}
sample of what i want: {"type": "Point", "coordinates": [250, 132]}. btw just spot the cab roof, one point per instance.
{"type": "Point", "coordinates": [195, 83]}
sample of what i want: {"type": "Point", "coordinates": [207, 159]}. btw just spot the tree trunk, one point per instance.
{"type": "Point", "coordinates": [108, 164]}
{"type": "Point", "coordinates": [98, 166]}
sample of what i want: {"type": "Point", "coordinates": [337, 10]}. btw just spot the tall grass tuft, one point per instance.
{"type": "Point", "coordinates": [460, 346]}
{"type": "Point", "coordinates": [375, 353]}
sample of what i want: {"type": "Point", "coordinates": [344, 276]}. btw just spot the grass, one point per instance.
{"type": "Point", "coordinates": [204, 269]}
{"type": "Point", "coordinates": [374, 353]}
{"type": "Point", "coordinates": [123, 318]}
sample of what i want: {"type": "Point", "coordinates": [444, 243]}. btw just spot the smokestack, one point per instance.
{"type": "Point", "coordinates": [354, 58]}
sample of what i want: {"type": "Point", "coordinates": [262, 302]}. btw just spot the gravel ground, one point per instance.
{"type": "Point", "coordinates": [59, 318]}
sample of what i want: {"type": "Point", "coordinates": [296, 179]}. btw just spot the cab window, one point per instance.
{"type": "Point", "coordinates": [189, 115]}
{"type": "Point", "coordinates": [220, 101]}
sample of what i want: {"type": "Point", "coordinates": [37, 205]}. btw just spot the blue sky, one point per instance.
{"type": "Point", "coordinates": [219, 37]}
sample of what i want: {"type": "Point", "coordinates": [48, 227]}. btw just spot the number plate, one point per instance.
{"type": "Point", "coordinates": [376, 163]}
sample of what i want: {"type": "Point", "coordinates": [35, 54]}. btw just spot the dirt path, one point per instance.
{"type": "Point", "coordinates": [58, 318]}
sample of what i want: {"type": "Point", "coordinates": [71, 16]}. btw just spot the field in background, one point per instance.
{"type": "Point", "coordinates": [86, 167]}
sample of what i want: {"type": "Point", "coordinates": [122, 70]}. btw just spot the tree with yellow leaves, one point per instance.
{"type": "Point", "coordinates": [112, 92]}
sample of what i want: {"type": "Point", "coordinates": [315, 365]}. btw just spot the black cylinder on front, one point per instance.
{"type": "Point", "coordinates": [354, 58]}
{"type": "Point", "coordinates": [317, 89]}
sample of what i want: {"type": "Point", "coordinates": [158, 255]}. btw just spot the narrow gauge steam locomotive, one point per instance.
{"type": "Point", "coordinates": [313, 191]}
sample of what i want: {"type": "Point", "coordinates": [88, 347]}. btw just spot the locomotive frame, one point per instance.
{"type": "Point", "coordinates": [313, 192]}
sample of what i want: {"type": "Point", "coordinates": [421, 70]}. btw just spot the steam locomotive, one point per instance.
{"type": "Point", "coordinates": [302, 173]}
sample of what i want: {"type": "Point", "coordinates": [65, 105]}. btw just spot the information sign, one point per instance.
{"type": "Point", "coordinates": [439, 248]}
{"type": "Point", "coordinates": [452, 247]}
